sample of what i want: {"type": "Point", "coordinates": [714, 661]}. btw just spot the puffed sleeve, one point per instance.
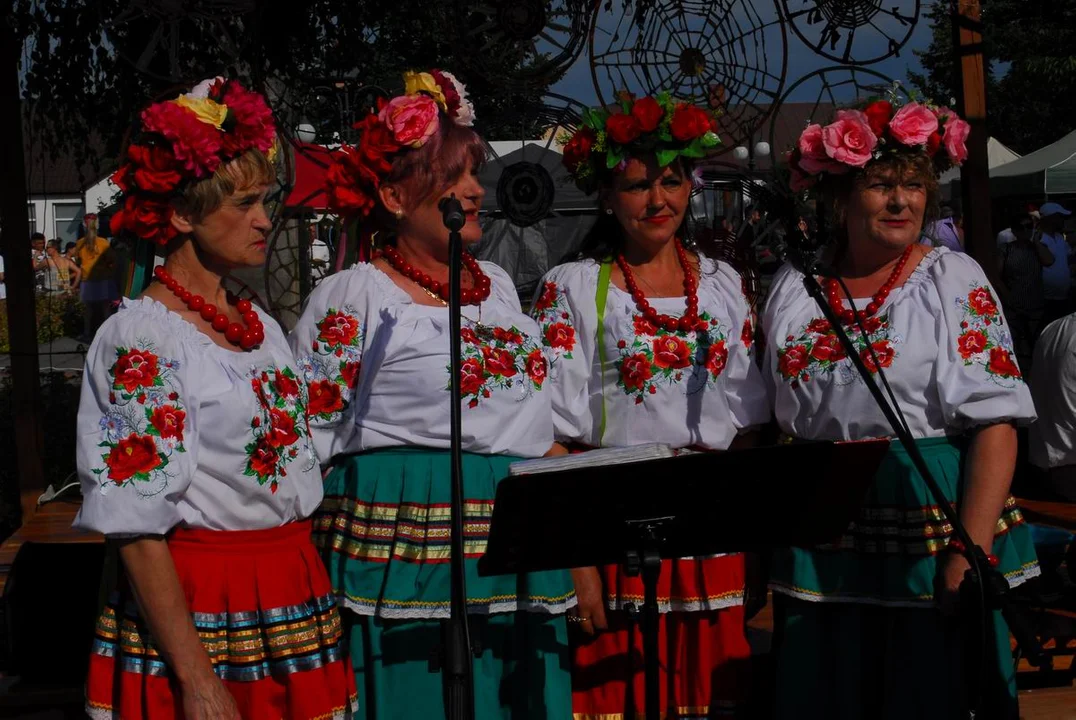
{"type": "Point", "coordinates": [782, 302]}
{"type": "Point", "coordinates": [558, 309]}
{"type": "Point", "coordinates": [744, 387]}
{"type": "Point", "coordinates": [137, 444]}
{"type": "Point", "coordinates": [328, 342]}
{"type": "Point", "coordinates": [978, 380]}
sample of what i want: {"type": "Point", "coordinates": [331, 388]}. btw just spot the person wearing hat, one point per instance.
{"type": "Point", "coordinates": [95, 256]}
{"type": "Point", "coordinates": [1057, 277]}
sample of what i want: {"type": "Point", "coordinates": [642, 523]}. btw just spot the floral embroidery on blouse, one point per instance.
{"type": "Point", "coordinates": [279, 428]}
{"type": "Point", "coordinates": [818, 351]}
{"type": "Point", "coordinates": [657, 356]}
{"type": "Point", "coordinates": [550, 310]}
{"type": "Point", "coordinates": [498, 358]}
{"type": "Point", "coordinates": [983, 339]}
{"type": "Point", "coordinates": [143, 426]}
{"type": "Point", "coordinates": [332, 370]}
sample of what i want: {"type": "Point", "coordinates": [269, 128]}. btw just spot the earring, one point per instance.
{"type": "Point", "coordinates": [608, 211]}
{"type": "Point", "coordinates": [398, 213]}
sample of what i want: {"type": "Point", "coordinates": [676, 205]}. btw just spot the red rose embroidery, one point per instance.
{"type": "Point", "coordinates": [134, 455]}
{"type": "Point", "coordinates": [747, 335]}
{"type": "Point", "coordinates": [828, 349]}
{"type": "Point", "coordinates": [168, 420]}
{"type": "Point", "coordinates": [872, 324]}
{"type": "Point", "coordinates": [281, 432]}
{"type": "Point", "coordinates": [285, 386]}
{"type": "Point", "coordinates": [324, 398]}
{"type": "Point", "coordinates": [716, 358]}
{"type": "Point", "coordinates": [635, 371]}
{"type": "Point", "coordinates": [793, 360]}
{"type": "Point", "coordinates": [264, 459]}
{"type": "Point", "coordinates": [982, 301]}
{"type": "Point", "coordinates": [644, 326]}
{"type": "Point", "coordinates": [468, 336]}
{"type": "Point", "coordinates": [671, 352]}
{"type": "Point", "coordinates": [537, 367]}
{"type": "Point", "coordinates": [507, 336]}
{"type": "Point", "coordinates": [1001, 363]}
{"type": "Point", "coordinates": [819, 326]}
{"type": "Point", "coordinates": [499, 362]}
{"type": "Point", "coordinates": [337, 329]}
{"type": "Point", "coordinates": [350, 374]}
{"type": "Point", "coordinates": [472, 375]}
{"type": "Point", "coordinates": [547, 298]}
{"type": "Point", "coordinates": [971, 342]}
{"type": "Point", "coordinates": [135, 369]}
{"type": "Point", "coordinates": [560, 335]}
{"type": "Point", "coordinates": [883, 350]}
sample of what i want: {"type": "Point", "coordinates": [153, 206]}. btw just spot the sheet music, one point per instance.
{"type": "Point", "coordinates": [592, 458]}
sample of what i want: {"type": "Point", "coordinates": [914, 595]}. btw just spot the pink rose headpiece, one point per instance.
{"type": "Point", "coordinates": [182, 140]}
{"type": "Point", "coordinates": [879, 128]}
{"type": "Point", "coordinates": [405, 122]}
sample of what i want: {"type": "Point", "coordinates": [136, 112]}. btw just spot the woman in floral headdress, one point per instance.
{"type": "Point", "coordinates": [862, 626]}
{"type": "Point", "coordinates": [193, 447]}
{"type": "Point", "coordinates": [651, 342]}
{"type": "Point", "coordinates": [373, 342]}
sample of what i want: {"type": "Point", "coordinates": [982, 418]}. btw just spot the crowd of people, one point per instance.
{"type": "Point", "coordinates": [280, 503]}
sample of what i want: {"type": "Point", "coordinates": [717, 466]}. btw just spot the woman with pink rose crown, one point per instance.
{"type": "Point", "coordinates": [373, 344]}
{"type": "Point", "coordinates": [872, 625]}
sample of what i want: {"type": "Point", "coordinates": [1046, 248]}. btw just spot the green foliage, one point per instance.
{"type": "Point", "coordinates": [57, 316]}
{"type": "Point", "coordinates": [1031, 98]}
{"type": "Point", "coordinates": [83, 83]}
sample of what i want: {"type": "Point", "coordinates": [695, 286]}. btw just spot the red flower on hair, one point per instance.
{"type": "Point", "coordinates": [196, 145]}
{"type": "Point", "coordinates": [254, 126]}
{"type": "Point", "coordinates": [452, 98]}
{"type": "Point", "coordinates": [150, 220]}
{"type": "Point", "coordinates": [153, 168]}
{"type": "Point", "coordinates": [689, 122]}
{"type": "Point", "coordinates": [578, 148]}
{"type": "Point", "coordinates": [878, 113]}
{"type": "Point", "coordinates": [648, 113]}
{"type": "Point", "coordinates": [622, 129]}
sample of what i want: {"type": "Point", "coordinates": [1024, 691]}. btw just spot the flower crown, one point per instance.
{"type": "Point", "coordinates": [405, 122]}
{"type": "Point", "coordinates": [873, 131]}
{"type": "Point", "coordinates": [665, 127]}
{"type": "Point", "coordinates": [183, 140]}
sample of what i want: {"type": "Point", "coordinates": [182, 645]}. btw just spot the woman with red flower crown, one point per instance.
{"type": "Point", "coordinates": [652, 342]}
{"type": "Point", "coordinates": [373, 342]}
{"type": "Point", "coordinates": [864, 626]}
{"type": "Point", "coordinates": [194, 452]}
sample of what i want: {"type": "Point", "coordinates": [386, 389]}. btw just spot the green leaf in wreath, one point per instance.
{"type": "Point", "coordinates": [710, 140]}
{"type": "Point", "coordinates": [614, 158]}
{"type": "Point", "coordinates": [694, 150]}
{"type": "Point", "coordinates": [666, 156]}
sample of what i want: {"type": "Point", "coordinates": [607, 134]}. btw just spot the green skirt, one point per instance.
{"type": "Point", "coordinates": [384, 532]}
{"type": "Point", "coordinates": [857, 634]}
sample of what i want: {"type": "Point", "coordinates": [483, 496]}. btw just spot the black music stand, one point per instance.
{"type": "Point", "coordinates": [636, 514]}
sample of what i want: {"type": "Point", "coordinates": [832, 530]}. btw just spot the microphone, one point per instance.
{"type": "Point", "coordinates": [452, 213]}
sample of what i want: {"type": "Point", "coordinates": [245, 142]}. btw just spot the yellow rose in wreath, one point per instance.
{"type": "Point", "coordinates": [208, 111]}
{"type": "Point", "coordinates": [415, 83]}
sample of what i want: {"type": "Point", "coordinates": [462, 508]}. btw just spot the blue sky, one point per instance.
{"type": "Point", "coordinates": [577, 82]}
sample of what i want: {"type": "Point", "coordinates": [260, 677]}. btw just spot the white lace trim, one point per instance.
{"type": "Point", "coordinates": [493, 608]}
{"type": "Point", "coordinates": [680, 606]}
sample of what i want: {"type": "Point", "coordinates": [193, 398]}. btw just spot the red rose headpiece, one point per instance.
{"type": "Point", "coordinates": [182, 140]}
{"type": "Point", "coordinates": [404, 122]}
{"type": "Point", "coordinates": [665, 127]}
{"type": "Point", "coordinates": [874, 130]}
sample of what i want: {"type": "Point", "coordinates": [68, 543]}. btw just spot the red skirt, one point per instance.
{"type": "Point", "coordinates": [704, 655]}
{"type": "Point", "coordinates": [264, 609]}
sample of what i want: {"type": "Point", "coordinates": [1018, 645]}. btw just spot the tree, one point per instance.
{"type": "Point", "coordinates": [91, 64]}
{"type": "Point", "coordinates": [1031, 71]}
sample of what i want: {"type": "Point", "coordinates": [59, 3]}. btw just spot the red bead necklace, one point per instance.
{"type": "Point", "coordinates": [468, 297]}
{"type": "Point", "coordinates": [247, 338]}
{"type": "Point", "coordinates": [690, 319]}
{"type": "Point", "coordinates": [833, 290]}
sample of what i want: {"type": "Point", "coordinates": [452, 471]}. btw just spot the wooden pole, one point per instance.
{"type": "Point", "coordinates": [19, 277]}
{"type": "Point", "coordinates": [975, 173]}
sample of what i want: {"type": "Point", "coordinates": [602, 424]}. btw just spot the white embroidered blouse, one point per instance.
{"type": "Point", "coordinates": [377, 364]}
{"type": "Point", "coordinates": [684, 389]}
{"type": "Point", "coordinates": [174, 430]}
{"type": "Point", "coordinates": [940, 338]}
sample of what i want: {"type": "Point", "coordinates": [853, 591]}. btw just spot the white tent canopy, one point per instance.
{"type": "Point", "coordinates": [997, 154]}
{"type": "Point", "coordinates": [1050, 170]}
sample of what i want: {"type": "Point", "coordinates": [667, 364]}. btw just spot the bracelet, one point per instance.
{"type": "Point", "coordinates": [955, 544]}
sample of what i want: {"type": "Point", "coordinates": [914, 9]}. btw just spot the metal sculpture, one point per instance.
{"type": "Point", "coordinates": [547, 36]}
{"type": "Point", "coordinates": [728, 54]}
{"type": "Point", "coordinates": [851, 31]}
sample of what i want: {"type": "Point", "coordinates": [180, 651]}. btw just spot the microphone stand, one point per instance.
{"type": "Point", "coordinates": [980, 576]}
{"type": "Point", "coordinates": [456, 648]}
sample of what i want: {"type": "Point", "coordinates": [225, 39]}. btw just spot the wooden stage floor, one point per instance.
{"type": "Point", "coordinates": [52, 524]}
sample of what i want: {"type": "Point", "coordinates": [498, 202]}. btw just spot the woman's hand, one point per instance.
{"type": "Point", "coordinates": [950, 575]}
{"type": "Point", "coordinates": [207, 699]}
{"type": "Point", "coordinates": [591, 608]}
